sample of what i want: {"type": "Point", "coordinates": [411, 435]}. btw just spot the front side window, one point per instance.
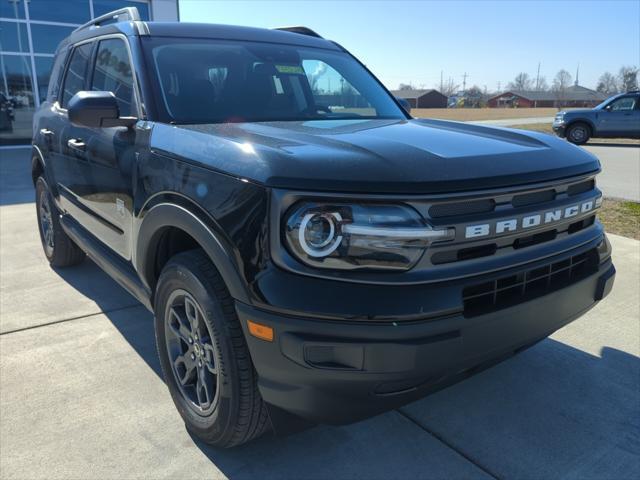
{"type": "Point", "coordinates": [113, 73]}
{"type": "Point", "coordinates": [210, 81]}
{"type": "Point", "coordinates": [76, 72]}
{"type": "Point", "coordinates": [623, 104]}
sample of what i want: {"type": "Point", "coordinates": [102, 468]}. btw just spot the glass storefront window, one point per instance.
{"type": "Point", "coordinates": [43, 72]}
{"type": "Point", "coordinates": [16, 99]}
{"type": "Point", "coordinates": [100, 7]}
{"type": "Point", "coordinates": [13, 37]}
{"type": "Point", "coordinates": [67, 11]}
{"type": "Point", "coordinates": [12, 9]}
{"type": "Point", "coordinates": [47, 37]}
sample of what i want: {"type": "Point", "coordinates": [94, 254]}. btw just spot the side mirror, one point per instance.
{"type": "Point", "coordinates": [405, 104]}
{"type": "Point", "coordinates": [608, 108]}
{"type": "Point", "coordinates": [97, 110]}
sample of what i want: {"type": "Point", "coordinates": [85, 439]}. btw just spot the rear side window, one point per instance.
{"type": "Point", "coordinates": [56, 76]}
{"type": "Point", "coordinates": [112, 73]}
{"type": "Point", "coordinates": [76, 73]}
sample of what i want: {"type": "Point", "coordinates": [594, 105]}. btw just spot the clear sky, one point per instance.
{"type": "Point", "coordinates": [413, 41]}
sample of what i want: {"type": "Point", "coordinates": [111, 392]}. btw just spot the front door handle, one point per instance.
{"type": "Point", "coordinates": [76, 144]}
{"type": "Point", "coordinates": [45, 132]}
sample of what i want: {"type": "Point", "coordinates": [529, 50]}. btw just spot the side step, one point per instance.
{"type": "Point", "coordinates": [121, 271]}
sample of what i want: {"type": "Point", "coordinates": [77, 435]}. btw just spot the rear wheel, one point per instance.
{"type": "Point", "coordinates": [204, 355]}
{"type": "Point", "coordinates": [578, 133]}
{"type": "Point", "coordinates": [59, 249]}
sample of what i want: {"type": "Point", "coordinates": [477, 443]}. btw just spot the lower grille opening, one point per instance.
{"type": "Point", "coordinates": [582, 224]}
{"type": "Point", "coordinates": [535, 239]}
{"type": "Point", "coordinates": [464, 254]}
{"type": "Point", "coordinates": [511, 290]}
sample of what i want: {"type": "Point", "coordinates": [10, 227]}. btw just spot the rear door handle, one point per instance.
{"type": "Point", "coordinates": [76, 144]}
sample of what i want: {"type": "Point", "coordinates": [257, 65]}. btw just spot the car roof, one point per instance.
{"type": "Point", "coordinates": [200, 30]}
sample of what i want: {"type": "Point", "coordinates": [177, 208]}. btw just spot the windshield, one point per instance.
{"type": "Point", "coordinates": [213, 81]}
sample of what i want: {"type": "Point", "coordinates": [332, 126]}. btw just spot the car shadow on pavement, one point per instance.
{"type": "Point", "coordinates": [552, 411]}
{"type": "Point", "coordinates": [612, 144]}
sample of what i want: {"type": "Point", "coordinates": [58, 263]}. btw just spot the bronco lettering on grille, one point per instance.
{"type": "Point", "coordinates": [529, 221]}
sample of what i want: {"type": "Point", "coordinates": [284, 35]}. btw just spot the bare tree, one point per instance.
{"type": "Point", "coordinates": [521, 82]}
{"type": "Point", "coordinates": [406, 86]}
{"type": "Point", "coordinates": [607, 84]}
{"type": "Point", "coordinates": [542, 84]}
{"type": "Point", "coordinates": [449, 87]}
{"type": "Point", "coordinates": [628, 79]}
{"type": "Point", "coordinates": [561, 83]}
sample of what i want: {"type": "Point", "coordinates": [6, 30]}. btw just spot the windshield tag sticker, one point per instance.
{"type": "Point", "coordinates": [290, 69]}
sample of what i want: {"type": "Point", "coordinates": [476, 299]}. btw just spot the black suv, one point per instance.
{"type": "Point", "coordinates": [312, 253]}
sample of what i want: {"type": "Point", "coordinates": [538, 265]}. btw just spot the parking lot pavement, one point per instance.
{"type": "Point", "coordinates": [620, 177]}
{"type": "Point", "coordinates": [81, 394]}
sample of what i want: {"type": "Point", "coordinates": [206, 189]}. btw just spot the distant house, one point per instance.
{"type": "Point", "coordinates": [574, 96]}
{"type": "Point", "coordinates": [422, 98]}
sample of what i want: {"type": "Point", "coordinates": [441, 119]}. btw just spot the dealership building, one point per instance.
{"type": "Point", "coordinates": [30, 31]}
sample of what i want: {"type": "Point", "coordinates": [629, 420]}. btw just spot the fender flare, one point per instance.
{"type": "Point", "coordinates": [37, 158]}
{"type": "Point", "coordinates": [164, 215]}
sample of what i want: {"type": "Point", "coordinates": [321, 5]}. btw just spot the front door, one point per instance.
{"type": "Point", "coordinates": [617, 119]}
{"type": "Point", "coordinates": [101, 197]}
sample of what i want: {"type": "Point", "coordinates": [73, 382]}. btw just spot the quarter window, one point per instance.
{"type": "Point", "coordinates": [113, 74]}
{"type": "Point", "coordinates": [76, 73]}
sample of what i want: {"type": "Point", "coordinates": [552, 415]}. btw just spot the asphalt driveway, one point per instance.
{"type": "Point", "coordinates": [81, 394]}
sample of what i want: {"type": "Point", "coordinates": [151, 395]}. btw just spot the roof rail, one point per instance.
{"type": "Point", "coordinates": [123, 14]}
{"type": "Point", "coordinates": [299, 29]}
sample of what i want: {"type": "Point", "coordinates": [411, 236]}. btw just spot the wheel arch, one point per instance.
{"type": "Point", "coordinates": [37, 164]}
{"type": "Point", "coordinates": [168, 228]}
{"type": "Point", "coordinates": [586, 121]}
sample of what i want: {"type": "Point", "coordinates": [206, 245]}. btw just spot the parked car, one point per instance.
{"type": "Point", "coordinates": [616, 117]}
{"type": "Point", "coordinates": [6, 114]}
{"type": "Point", "coordinates": [305, 263]}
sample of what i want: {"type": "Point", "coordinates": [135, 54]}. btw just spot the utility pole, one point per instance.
{"type": "Point", "coordinates": [464, 82]}
{"type": "Point", "coordinates": [499, 90]}
{"type": "Point", "coordinates": [577, 73]}
{"type": "Point", "coordinates": [441, 84]}
{"type": "Point", "coordinates": [538, 78]}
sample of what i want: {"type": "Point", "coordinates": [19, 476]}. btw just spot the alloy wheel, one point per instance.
{"type": "Point", "coordinates": [191, 351]}
{"type": "Point", "coordinates": [46, 223]}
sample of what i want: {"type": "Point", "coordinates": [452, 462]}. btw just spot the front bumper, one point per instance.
{"type": "Point", "coordinates": [337, 372]}
{"type": "Point", "coordinates": [559, 129]}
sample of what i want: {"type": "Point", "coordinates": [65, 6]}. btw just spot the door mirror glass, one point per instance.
{"type": "Point", "coordinates": [405, 104]}
{"type": "Point", "coordinates": [97, 110]}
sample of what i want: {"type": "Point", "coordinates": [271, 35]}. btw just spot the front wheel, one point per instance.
{"type": "Point", "coordinates": [578, 133]}
{"type": "Point", "coordinates": [204, 355]}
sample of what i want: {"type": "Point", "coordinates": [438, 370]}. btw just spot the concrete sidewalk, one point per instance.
{"type": "Point", "coordinates": [81, 394]}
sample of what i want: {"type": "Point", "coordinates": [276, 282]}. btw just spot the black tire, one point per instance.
{"type": "Point", "coordinates": [578, 133]}
{"type": "Point", "coordinates": [59, 249]}
{"type": "Point", "coordinates": [233, 411]}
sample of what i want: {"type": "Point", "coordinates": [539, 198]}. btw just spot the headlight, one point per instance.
{"type": "Point", "coordinates": [359, 236]}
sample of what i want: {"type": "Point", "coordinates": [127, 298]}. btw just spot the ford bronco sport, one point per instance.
{"type": "Point", "coordinates": [312, 254]}
{"type": "Point", "coordinates": [616, 117]}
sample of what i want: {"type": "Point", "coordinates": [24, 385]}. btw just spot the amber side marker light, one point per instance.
{"type": "Point", "coordinates": [260, 331]}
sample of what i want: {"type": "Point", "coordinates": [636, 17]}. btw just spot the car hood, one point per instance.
{"type": "Point", "coordinates": [374, 156]}
{"type": "Point", "coordinates": [579, 111]}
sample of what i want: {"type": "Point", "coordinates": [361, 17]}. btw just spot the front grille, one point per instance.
{"type": "Point", "coordinates": [533, 198]}
{"type": "Point", "coordinates": [462, 208]}
{"type": "Point", "coordinates": [511, 290]}
{"type": "Point", "coordinates": [581, 187]}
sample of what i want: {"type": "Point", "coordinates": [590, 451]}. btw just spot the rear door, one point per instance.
{"type": "Point", "coordinates": [70, 167]}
